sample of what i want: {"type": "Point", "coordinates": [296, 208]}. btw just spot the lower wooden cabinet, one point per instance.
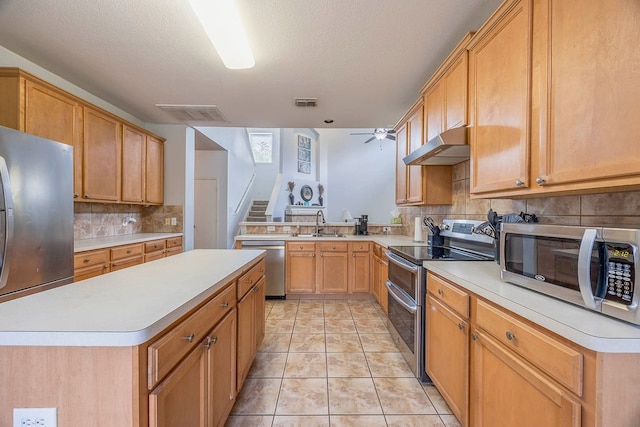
{"type": "Point", "coordinates": [250, 328]}
{"type": "Point", "coordinates": [359, 274]}
{"type": "Point", "coordinates": [333, 264]}
{"type": "Point", "coordinates": [300, 266]}
{"type": "Point", "coordinates": [221, 369]}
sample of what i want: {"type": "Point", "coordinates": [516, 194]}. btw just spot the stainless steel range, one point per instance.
{"type": "Point", "coordinates": [454, 240]}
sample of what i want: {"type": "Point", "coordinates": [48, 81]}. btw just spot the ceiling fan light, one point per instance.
{"type": "Point", "coordinates": [380, 133]}
{"type": "Point", "coordinates": [221, 21]}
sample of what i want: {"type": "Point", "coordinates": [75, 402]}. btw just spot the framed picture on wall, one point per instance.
{"type": "Point", "coordinates": [304, 154]}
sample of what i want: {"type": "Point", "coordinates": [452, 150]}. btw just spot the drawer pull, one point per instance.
{"type": "Point", "coordinates": [510, 335]}
{"type": "Point", "coordinates": [210, 341]}
{"type": "Point", "coordinates": [255, 289]}
{"type": "Point", "coordinates": [128, 251]}
{"type": "Point", "coordinates": [189, 338]}
{"type": "Point", "coordinates": [224, 305]}
{"type": "Point", "coordinates": [440, 292]}
{"type": "Point", "coordinates": [86, 260]}
{"type": "Point", "coordinates": [249, 281]}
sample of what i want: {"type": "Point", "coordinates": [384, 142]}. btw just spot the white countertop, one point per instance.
{"type": "Point", "coordinates": [587, 329]}
{"type": "Point", "coordinates": [385, 240]}
{"type": "Point", "coordinates": [123, 239]}
{"type": "Point", "coordinates": [122, 308]}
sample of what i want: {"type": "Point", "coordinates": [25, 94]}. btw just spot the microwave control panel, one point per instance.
{"type": "Point", "coordinates": [620, 273]}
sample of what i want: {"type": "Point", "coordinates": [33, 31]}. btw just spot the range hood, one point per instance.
{"type": "Point", "coordinates": [448, 148]}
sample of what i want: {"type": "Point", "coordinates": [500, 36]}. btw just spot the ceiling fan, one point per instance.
{"type": "Point", "coordinates": [379, 134]}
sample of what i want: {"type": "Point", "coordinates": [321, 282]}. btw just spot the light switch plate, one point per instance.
{"type": "Point", "coordinates": [35, 417]}
{"type": "Point", "coordinates": [271, 228]}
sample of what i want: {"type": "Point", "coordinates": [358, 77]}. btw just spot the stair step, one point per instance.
{"type": "Point", "coordinates": [257, 219]}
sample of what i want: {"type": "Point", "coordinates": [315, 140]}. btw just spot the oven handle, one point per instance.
{"type": "Point", "coordinates": [401, 297]}
{"type": "Point", "coordinates": [584, 269]}
{"type": "Point", "coordinates": [402, 263]}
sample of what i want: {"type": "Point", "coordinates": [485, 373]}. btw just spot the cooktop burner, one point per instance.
{"type": "Point", "coordinates": [418, 254]}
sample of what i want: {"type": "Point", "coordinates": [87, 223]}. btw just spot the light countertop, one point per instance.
{"type": "Point", "coordinates": [123, 239]}
{"type": "Point", "coordinates": [122, 308]}
{"type": "Point", "coordinates": [385, 240]}
{"type": "Point", "coordinates": [587, 329]}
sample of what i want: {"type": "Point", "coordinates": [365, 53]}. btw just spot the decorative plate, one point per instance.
{"type": "Point", "coordinates": [306, 193]}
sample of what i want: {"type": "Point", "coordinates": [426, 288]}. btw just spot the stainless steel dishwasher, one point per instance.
{"type": "Point", "coordinates": [274, 274]}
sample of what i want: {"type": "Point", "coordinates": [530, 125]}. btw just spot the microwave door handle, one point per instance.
{"type": "Point", "coordinates": [584, 269]}
{"type": "Point", "coordinates": [7, 224]}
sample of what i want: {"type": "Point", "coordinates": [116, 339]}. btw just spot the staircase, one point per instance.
{"type": "Point", "coordinates": [257, 211]}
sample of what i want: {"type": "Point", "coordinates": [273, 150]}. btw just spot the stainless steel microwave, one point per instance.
{"type": "Point", "coordinates": [593, 267]}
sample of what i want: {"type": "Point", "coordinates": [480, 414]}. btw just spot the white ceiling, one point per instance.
{"type": "Point", "coordinates": [365, 60]}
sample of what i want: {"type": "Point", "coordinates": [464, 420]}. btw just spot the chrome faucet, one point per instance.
{"type": "Point", "coordinates": [319, 215]}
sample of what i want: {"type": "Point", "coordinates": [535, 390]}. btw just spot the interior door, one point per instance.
{"type": "Point", "coordinates": [206, 214]}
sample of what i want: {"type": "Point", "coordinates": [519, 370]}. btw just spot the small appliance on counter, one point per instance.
{"type": "Point", "coordinates": [361, 226]}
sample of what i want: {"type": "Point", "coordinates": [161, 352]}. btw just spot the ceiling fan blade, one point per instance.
{"type": "Point", "coordinates": [368, 133]}
{"type": "Point", "coordinates": [391, 131]}
{"type": "Point", "coordinates": [370, 139]}
{"type": "Point", "coordinates": [391, 137]}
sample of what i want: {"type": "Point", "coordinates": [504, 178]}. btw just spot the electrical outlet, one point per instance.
{"type": "Point", "coordinates": [174, 221]}
{"type": "Point", "coordinates": [167, 221]}
{"type": "Point", "coordinates": [386, 229]}
{"type": "Point", "coordinates": [271, 228]}
{"type": "Point", "coordinates": [35, 417]}
{"type": "Point", "coordinates": [286, 228]}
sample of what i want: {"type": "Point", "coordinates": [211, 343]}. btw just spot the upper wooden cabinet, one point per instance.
{"type": "Point", "coordinates": [106, 163]}
{"type": "Point", "coordinates": [499, 63]}
{"type": "Point", "coordinates": [418, 185]}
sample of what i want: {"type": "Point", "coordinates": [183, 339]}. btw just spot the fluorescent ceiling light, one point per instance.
{"type": "Point", "coordinates": [221, 20]}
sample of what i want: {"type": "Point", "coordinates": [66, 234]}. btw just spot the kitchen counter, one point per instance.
{"type": "Point", "coordinates": [385, 240]}
{"type": "Point", "coordinates": [123, 239]}
{"type": "Point", "coordinates": [585, 328]}
{"type": "Point", "coordinates": [122, 308]}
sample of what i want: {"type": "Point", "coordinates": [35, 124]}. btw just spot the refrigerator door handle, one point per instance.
{"type": "Point", "coordinates": [6, 223]}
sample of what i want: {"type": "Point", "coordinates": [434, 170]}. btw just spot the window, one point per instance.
{"type": "Point", "coordinates": [261, 146]}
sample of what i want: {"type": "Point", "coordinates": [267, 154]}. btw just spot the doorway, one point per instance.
{"type": "Point", "coordinates": [205, 223]}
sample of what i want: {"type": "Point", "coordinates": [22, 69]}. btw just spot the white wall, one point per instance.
{"type": "Point", "coordinates": [266, 173]}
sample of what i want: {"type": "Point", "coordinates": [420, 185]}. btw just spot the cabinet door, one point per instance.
{"type": "Point", "coordinates": [133, 165]}
{"type": "Point", "coordinates": [588, 82]}
{"type": "Point", "coordinates": [54, 116]}
{"type": "Point", "coordinates": [434, 110]}
{"type": "Point", "coordinates": [102, 152]}
{"type": "Point", "coordinates": [499, 64]}
{"type": "Point", "coordinates": [359, 272]}
{"type": "Point", "coordinates": [415, 174]}
{"type": "Point", "coordinates": [447, 356]}
{"type": "Point", "coordinates": [332, 272]}
{"type": "Point", "coordinates": [456, 82]}
{"type": "Point", "coordinates": [181, 399]}
{"type": "Point", "coordinates": [375, 278]}
{"type": "Point", "coordinates": [401, 168]}
{"type": "Point", "coordinates": [222, 369]}
{"type": "Point", "coordinates": [260, 291]}
{"type": "Point", "coordinates": [154, 171]}
{"type": "Point", "coordinates": [384, 272]}
{"type": "Point", "coordinates": [507, 391]}
{"type": "Point", "coordinates": [301, 272]}
{"type": "Point", "coordinates": [246, 335]}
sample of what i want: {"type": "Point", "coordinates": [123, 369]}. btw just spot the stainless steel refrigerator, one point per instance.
{"type": "Point", "coordinates": [36, 214]}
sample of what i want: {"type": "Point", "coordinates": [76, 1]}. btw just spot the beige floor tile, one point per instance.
{"type": "Point", "coordinates": [278, 326]}
{"type": "Point", "coordinates": [347, 365]}
{"type": "Point", "coordinates": [403, 396]}
{"type": "Point", "coordinates": [371, 326]}
{"type": "Point", "coordinates": [388, 365]}
{"type": "Point", "coordinates": [299, 421]}
{"type": "Point", "coordinates": [307, 343]}
{"type": "Point", "coordinates": [249, 421]}
{"type": "Point", "coordinates": [377, 343]}
{"type": "Point", "coordinates": [306, 365]}
{"type": "Point", "coordinates": [339, 326]}
{"type": "Point", "coordinates": [257, 397]}
{"type": "Point", "coordinates": [353, 396]}
{"type": "Point", "coordinates": [450, 421]}
{"type": "Point", "coordinates": [358, 421]}
{"type": "Point", "coordinates": [306, 305]}
{"type": "Point", "coordinates": [343, 343]}
{"type": "Point", "coordinates": [268, 365]}
{"type": "Point", "coordinates": [310, 313]}
{"type": "Point", "coordinates": [308, 326]}
{"type": "Point", "coordinates": [283, 313]}
{"type": "Point", "coordinates": [368, 314]}
{"type": "Point", "coordinates": [303, 396]}
{"type": "Point", "coordinates": [414, 421]}
{"type": "Point", "coordinates": [437, 400]}
{"type": "Point", "coordinates": [338, 314]}
{"type": "Point", "coordinates": [275, 343]}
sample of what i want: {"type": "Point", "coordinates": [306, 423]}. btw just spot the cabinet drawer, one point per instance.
{"type": "Point", "coordinates": [126, 262]}
{"type": "Point", "coordinates": [165, 353]}
{"type": "Point", "coordinates": [154, 245]}
{"type": "Point", "coordinates": [359, 246]}
{"type": "Point", "coordinates": [558, 360]}
{"type": "Point", "coordinates": [449, 294]}
{"type": "Point", "coordinates": [89, 272]}
{"type": "Point", "coordinates": [333, 246]}
{"type": "Point", "coordinates": [173, 251]}
{"type": "Point", "coordinates": [152, 256]}
{"type": "Point", "coordinates": [301, 246]}
{"type": "Point", "coordinates": [127, 251]}
{"type": "Point", "coordinates": [89, 258]}
{"type": "Point", "coordinates": [250, 278]}
{"type": "Point", "coordinates": [174, 241]}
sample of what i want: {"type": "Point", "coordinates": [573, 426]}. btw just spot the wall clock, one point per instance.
{"type": "Point", "coordinates": [306, 193]}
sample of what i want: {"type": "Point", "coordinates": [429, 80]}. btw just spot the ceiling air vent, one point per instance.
{"type": "Point", "coordinates": [194, 113]}
{"type": "Point", "coordinates": [306, 102]}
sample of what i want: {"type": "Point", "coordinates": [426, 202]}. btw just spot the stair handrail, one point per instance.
{"type": "Point", "coordinates": [244, 195]}
{"type": "Point", "coordinates": [273, 199]}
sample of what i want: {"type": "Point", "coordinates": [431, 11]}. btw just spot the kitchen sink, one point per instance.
{"type": "Point", "coordinates": [330, 235]}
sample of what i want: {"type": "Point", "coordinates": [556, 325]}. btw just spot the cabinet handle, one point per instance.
{"type": "Point", "coordinates": [86, 260]}
{"type": "Point", "coordinates": [87, 195]}
{"type": "Point", "coordinates": [474, 337]}
{"type": "Point", "coordinates": [301, 247]}
{"type": "Point", "coordinates": [249, 281]}
{"type": "Point", "coordinates": [313, 255]}
{"type": "Point", "coordinates": [460, 326]}
{"type": "Point", "coordinates": [210, 341]}
{"type": "Point", "coordinates": [321, 254]}
{"type": "Point", "coordinates": [541, 181]}
{"type": "Point", "coordinates": [224, 305]}
{"type": "Point", "coordinates": [519, 183]}
{"type": "Point", "coordinates": [440, 292]}
{"type": "Point", "coordinates": [510, 335]}
{"type": "Point", "coordinates": [76, 195]}
{"type": "Point", "coordinates": [106, 266]}
{"type": "Point", "coordinates": [255, 289]}
{"type": "Point", "coordinates": [189, 338]}
{"type": "Point", "coordinates": [128, 251]}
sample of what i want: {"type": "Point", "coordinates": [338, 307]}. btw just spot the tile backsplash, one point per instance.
{"type": "Point", "coordinates": [620, 209]}
{"type": "Point", "coordinates": [91, 220]}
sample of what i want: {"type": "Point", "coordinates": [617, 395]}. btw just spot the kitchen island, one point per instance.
{"type": "Point", "coordinates": [113, 348]}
